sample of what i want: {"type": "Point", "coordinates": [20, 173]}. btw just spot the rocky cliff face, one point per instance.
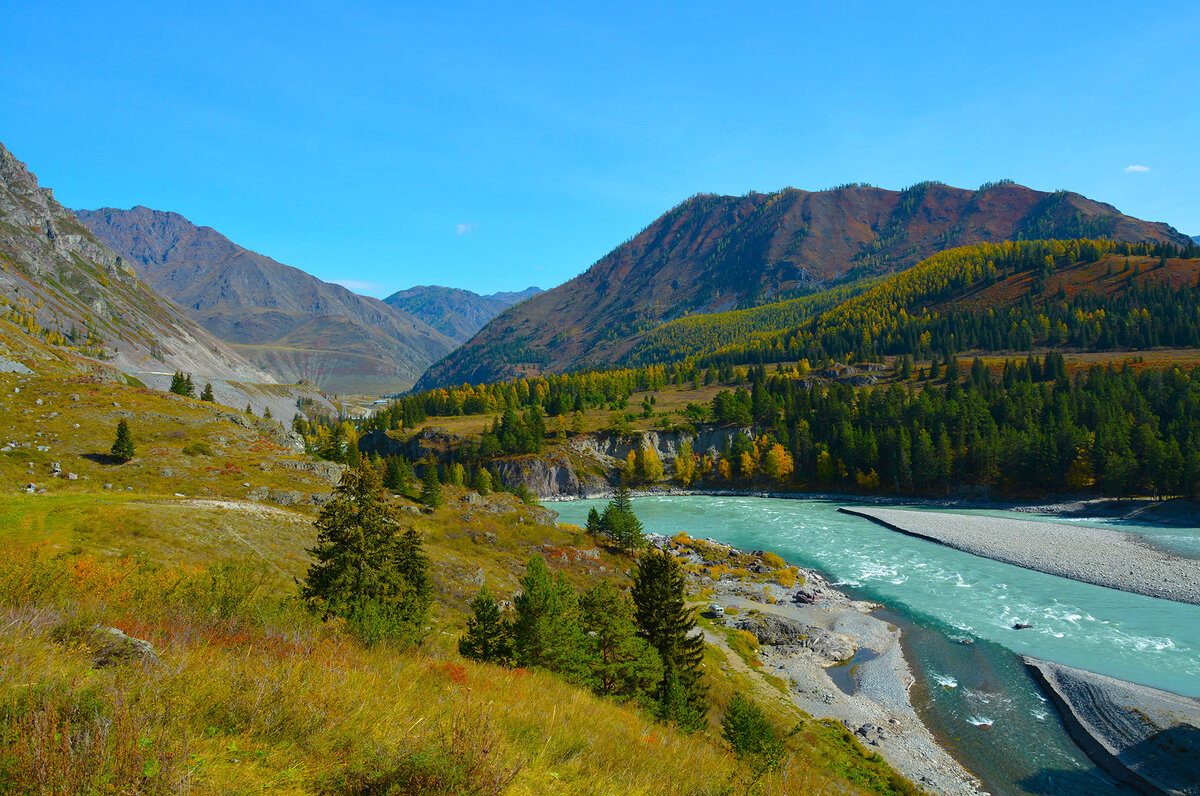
{"type": "Point", "coordinates": [61, 282]}
{"type": "Point", "coordinates": [588, 466]}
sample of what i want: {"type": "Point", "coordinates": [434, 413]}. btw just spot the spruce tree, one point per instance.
{"type": "Point", "coordinates": [483, 481]}
{"type": "Point", "coordinates": [620, 524]}
{"type": "Point", "coordinates": [122, 448]}
{"type": "Point", "coordinates": [365, 570]}
{"type": "Point", "coordinates": [593, 522]}
{"type": "Point", "coordinates": [412, 564]}
{"type": "Point", "coordinates": [547, 629]}
{"type": "Point", "coordinates": [624, 663]}
{"type": "Point", "coordinates": [392, 478]}
{"type": "Point", "coordinates": [489, 635]}
{"type": "Point", "coordinates": [431, 487]}
{"type": "Point", "coordinates": [665, 622]}
{"type": "Point", "coordinates": [750, 734]}
{"type": "Point", "coordinates": [207, 393]}
{"type": "Point", "coordinates": [189, 389]}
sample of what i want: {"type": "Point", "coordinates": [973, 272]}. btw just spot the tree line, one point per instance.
{"type": "Point", "coordinates": [641, 645]}
{"type": "Point", "coordinates": [1114, 430]}
{"type": "Point", "coordinates": [899, 315]}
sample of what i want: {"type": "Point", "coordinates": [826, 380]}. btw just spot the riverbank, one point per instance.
{"type": "Point", "coordinates": [1104, 557]}
{"type": "Point", "coordinates": [1172, 512]}
{"type": "Point", "coordinates": [838, 661]}
{"type": "Point", "coordinates": [1146, 738]}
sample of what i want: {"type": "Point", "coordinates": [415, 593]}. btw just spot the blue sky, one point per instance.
{"type": "Point", "coordinates": [492, 147]}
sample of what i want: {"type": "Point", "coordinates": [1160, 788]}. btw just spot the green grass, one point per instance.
{"type": "Point", "coordinates": [253, 694]}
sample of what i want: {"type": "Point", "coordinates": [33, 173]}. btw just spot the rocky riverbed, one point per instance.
{"type": "Point", "coordinates": [1146, 738]}
{"type": "Point", "coordinates": [1101, 556]}
{"type": "Point", "coordinates": [838, 660]}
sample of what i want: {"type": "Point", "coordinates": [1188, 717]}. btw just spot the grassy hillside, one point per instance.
{"type": "Point", "coordinates": [194, 546]}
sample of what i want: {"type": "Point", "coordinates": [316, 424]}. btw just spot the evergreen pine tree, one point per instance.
{"type": "Point", "coordinates": [357, 572]}
{"type": "Point", "coordinates": [267, 412]}
{"type": "Point", "coordinates": [489, 635]}
{"type": "Point", "coordinates": [392, 478]}
{"type": "Point", "coordinates": [122, 448]}
{"type": "Point", "coordinates": [624, 663]}
{"type": "Point", "coordinates": [665, 622]}
{"type": "Point", "coordinates": [178, 383]}
{"type": "Point", "coordinates": [249, 410]}
{"type": "Point", "coordinates": [483, 481]}
{"type": "Point", "coordinates": [431, 487]}
{"type": "Point", "coordinates": [207, 394]}
{"type": "Point", "coordinates": [547, 630]}
{"type": "Point", "coordinates": [412, 564]}
{"type": "Point", "coordinates": [620, 524]}
{"type": "Point", "coordinates": [593, 522]}
{"type": "Point", "coordinates": [189, 389]}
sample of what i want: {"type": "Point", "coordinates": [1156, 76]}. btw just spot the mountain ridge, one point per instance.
{"type": "Point", "coordinates": [256, 303]}
{"type": "Point", "coordinates": [456, 312]}
{"type": "Point", "coordinates": [712, 253]}
{"type": "Point", "coordinates": [59, 279]}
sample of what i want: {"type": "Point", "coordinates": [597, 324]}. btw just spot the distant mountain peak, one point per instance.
{"type": "Point", "coordinates": [455, 312]}
{"type": "Point", "coordinates": [712, 253]}
{"type": "Point", "coordinates": [284, 319]}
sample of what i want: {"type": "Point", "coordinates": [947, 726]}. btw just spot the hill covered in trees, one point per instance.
{"type": "Point", "coordinates": [718, 253]}
{"type": "Point", "coordinates": [1083, 294]}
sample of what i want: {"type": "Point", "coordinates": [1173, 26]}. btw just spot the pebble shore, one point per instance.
{"type": "Point", "coordinates": [1104, 557]}
{"type": "Point", "coordinates": [1147, 738]}
{"type": "Point", "coordinates": [879, 711]}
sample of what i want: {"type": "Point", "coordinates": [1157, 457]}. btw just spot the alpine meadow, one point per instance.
{"type": "Point", "coordinates": [827, 488]}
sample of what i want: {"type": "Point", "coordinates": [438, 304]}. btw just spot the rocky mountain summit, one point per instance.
{"type": "Point", "coordinates": [713, 253]}
{"type": "Point", "coordinates": [59, 281]}
{"type": "Point", "coordinates": [283, 319]}
{"type": "Point", "coordinates": [454, 312]}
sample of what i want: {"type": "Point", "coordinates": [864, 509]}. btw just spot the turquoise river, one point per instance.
{"type": "Point", "coordinates": [977, 697]}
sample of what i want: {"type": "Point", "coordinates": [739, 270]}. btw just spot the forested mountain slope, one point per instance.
{"type": "Point", "coordinates": [57, 280]}
{"type": "Point", "coordinates": [454, 312]}
{"type": "Point", "coordinates": [1083, 294]}
{"type": "Point", "coordinates": [283, 319]}
{"type": "Point", "coordinates": [714, 253]}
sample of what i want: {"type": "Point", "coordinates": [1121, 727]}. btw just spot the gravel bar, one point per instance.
{"type": "Point", "coordinates": [1105, 557]}
{"type": "Point", "coordinates": [1146, 738]}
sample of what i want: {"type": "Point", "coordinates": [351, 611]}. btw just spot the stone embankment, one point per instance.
{"type": "Point", "coordinates": [1115, 559]}
{"type": "Point", "coordinates": [807, 629]}
{"type": "Point", "coordinates": [1145, 738]}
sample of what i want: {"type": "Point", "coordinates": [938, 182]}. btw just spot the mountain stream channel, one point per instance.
{"type": "Point", "coordinates": [957, 612]}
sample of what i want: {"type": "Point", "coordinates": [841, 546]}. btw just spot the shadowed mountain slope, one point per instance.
{"type": "Point", "coordinates": [279, 317]}
{"type": "Point", "coordinates": [454, 312]}
{"type": "Point", "coordinates": [713, 253]}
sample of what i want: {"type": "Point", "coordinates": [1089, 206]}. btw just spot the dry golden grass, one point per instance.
{"type": "Point", "coordinates": [252, 694]}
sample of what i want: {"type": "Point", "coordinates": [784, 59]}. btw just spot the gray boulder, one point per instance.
{"type": "Point", "coordinates": [114, 648]}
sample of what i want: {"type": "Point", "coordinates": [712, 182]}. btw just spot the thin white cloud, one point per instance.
{"type": "Point", "coordinates": [1136, 169]}
{"type": "Point", "coordinates": [466, 227]}
{"type": "Point", "coordinates": [357, 285]}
